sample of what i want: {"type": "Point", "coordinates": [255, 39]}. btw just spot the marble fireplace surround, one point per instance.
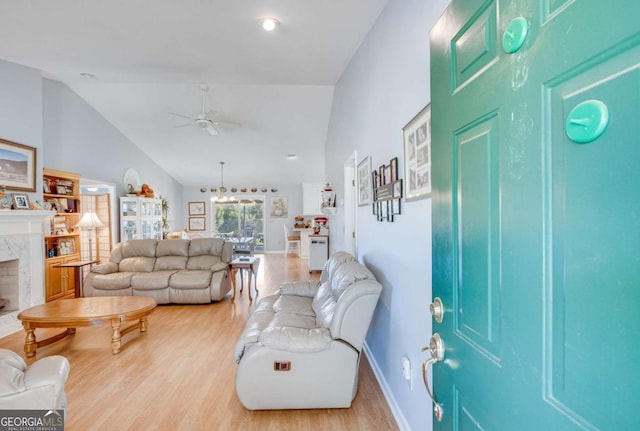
{"type": "Point", "coordinates": [22, 239]}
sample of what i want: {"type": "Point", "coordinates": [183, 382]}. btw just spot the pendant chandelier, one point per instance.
{"type": "Point", "coordinates": [222, 190]}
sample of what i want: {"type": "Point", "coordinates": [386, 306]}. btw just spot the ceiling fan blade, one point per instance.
{"type": "Point", "coordinates": [211, 130]}
{"type": "Point", "coordinates": [227, 124]}
{"type": "Point", "coordinates": [183, 125]}
{"type": "Point", "coordinates": [180, 115]}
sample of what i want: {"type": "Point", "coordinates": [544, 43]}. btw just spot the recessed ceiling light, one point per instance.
{"type": "Point", "coordinates": [269, 24]}
{"type": "Point", "coordinates": [291, 156]}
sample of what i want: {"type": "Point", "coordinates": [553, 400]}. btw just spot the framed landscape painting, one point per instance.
{"type": "Point", "coordinates": [197, 223]}
{"type": "Point", "coordinates": [18, 166]}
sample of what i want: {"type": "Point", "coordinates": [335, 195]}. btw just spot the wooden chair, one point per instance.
{"type": "Point", "coordinates": [291, 241]}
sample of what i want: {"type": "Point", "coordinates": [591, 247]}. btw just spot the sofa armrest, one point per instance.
{"type": "Point", "coordinates": [105, 268]}
{"type": "Point", "coordinates": [220, 266]}
{"type": "Point", "coordinates": [296, 339]}
{"type": "Point", "coordinates": [306, 288]}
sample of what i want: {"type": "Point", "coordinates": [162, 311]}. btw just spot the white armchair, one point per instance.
{"type": "Point", "coordinates": [39, 386]}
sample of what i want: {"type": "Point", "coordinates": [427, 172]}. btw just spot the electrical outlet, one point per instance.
{"type": "Point", "coordinates": [406, 371]}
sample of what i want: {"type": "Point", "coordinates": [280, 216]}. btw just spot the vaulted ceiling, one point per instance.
{"type": "Point", "coordinates": [147, 58]}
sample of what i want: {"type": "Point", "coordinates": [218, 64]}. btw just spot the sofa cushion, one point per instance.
{"type": "Point", "coordinates": [220, 266]}
{"type": "Point", "coordinates": [139, 247]}
{"type": "Point", "coordinates": [191, 279]}
{"type": "Point", "coordinates": [172, 248]}
{"type": "Point", "coordinates": [323, 294]}
{"type": "Point", "coordinates": [206, 246]}
{"type": "Point", "coordinates": [258, 320]}
{"type": "Point", "coordinates": [294, 304]}
{"type": "Point", "coordinates": [170, 263]}
{"type": "Point", "coordinates": [296, 339]}
{"type": "Point", "coordinates": [105, 268]}
{"type": "Point", "coordinates": [336, 260]}
{"type": "Point", "coordinates": [300, 288]}
{"type": "Point", "coordinates": [151, 280]}
{"type": "Point", "coordinates": [204, 262]}
{"type": "Point", "coordinates": [324, 305]}
{"type": "Point", "coordinates": [293, 320]}
{"type": "Point", "coordinates": [347, 274]}
{"type": "Point", "coordinates": [115, 281]}
{"type": "Point", "coordinates": [137, 264]}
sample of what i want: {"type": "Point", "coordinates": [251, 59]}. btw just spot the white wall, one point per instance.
{"type": "Point", "coordinates": [76, 138]}
{"type": "Point", "coordinates": [384, 86]}
{"type": "Point", "coordinates": [21, 111]}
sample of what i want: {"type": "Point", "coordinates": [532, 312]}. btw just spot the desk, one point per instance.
{"type": "Point", "coordinates": [251, 264]}
{"type": "Point", "coordinates": [77, 265]}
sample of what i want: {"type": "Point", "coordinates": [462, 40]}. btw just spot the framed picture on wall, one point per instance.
{"type": "Point", "coordinates": [364, 181]}
{"type": "Point", "coordinates": [416, 137]}
{"type": "Point", "coordinates": [196, 208]}
{"type": "Point", "coordinates": [20, 174]}
{"type": "Point", "coordinates": [279, 207]}
{"type": "Point", "coordinates": [196, 223]}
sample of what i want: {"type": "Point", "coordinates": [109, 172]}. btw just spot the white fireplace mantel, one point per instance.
{"type": "Point", "coordinates": [22, 238]}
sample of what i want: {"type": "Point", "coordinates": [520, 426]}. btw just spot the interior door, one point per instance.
{"type": "Point", "coordinates": [536, 212]}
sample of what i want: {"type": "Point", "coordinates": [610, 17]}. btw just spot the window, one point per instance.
{"type": "Point", "coordinates": [240, 218]}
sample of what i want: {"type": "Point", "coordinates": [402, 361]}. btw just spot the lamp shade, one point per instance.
{"type": "Point", "coordinates": [89, 220]}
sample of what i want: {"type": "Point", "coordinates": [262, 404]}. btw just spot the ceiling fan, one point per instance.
{"type": "Point", "coordinates": [207, 119]}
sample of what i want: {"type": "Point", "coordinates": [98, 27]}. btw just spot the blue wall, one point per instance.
{"type": "Point", "coordinates": [384, 86]}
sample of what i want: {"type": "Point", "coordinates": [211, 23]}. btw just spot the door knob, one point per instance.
{"type": "Point", "coordinates": [437, 309]}
{"type": "Point", "coordinates": [436, 349]}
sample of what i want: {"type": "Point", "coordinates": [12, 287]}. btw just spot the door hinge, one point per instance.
{"type": "Point", "coordinates": [353, 183]}
{"type": "Point", "coordinates": [353, 235]}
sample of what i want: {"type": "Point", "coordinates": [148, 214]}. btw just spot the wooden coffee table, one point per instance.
{"type": "Point", "coordinates": [78, 312]}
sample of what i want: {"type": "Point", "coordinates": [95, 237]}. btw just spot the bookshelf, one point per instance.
{"type": "Point", "coordinates": [61, 241]}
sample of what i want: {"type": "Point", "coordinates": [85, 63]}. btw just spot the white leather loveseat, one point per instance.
{"type": "Point", "coordinates": [170, 271]}
{"type": "Point", "coordinates": [37, 387]}
{"type": "Point", "coordinates": [301, 347]}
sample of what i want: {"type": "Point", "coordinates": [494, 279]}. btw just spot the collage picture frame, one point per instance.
{"type": "Point", "coordinates": [417, 155]}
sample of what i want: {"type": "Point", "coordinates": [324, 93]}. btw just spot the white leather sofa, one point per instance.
{"type": "Point", "coordinates": [170, 271]}
{"type": "Point", "coordinates": [38, 387]}
{"type": "Point", "coordinates": [301, 347]}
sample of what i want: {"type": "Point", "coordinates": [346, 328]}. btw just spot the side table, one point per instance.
{"type": "Point", "coordinates": [251, 264]}
{"type": "Point", "coordinates": [77, 265]}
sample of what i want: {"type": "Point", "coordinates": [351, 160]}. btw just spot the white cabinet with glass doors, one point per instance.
{"type": "Point", "coordinates": [140, 218]}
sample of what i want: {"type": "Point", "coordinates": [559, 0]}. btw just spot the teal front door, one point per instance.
{"type": "Point", "coordinates": [536, 214]}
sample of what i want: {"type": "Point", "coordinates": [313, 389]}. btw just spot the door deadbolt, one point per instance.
{"type": "Point", "coordinates": [437, 309]}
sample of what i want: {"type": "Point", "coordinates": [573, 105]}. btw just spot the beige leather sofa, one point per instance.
{"type": "Point", "coordinates": [170, 271]}
{"type": "Point", "coordinates": [301, 347]}
{"type": "Point", "coordinates": [38, 387]}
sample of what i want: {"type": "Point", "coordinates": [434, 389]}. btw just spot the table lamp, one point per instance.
{"type": "Point", "coordinates": [89, 221]}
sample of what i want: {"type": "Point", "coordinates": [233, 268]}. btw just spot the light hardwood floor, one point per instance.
{"type": "Point", "coordinates": [180, 374]}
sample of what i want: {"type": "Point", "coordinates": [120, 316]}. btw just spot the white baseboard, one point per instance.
{"type": "Point", "coordinates": [386, 391]}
